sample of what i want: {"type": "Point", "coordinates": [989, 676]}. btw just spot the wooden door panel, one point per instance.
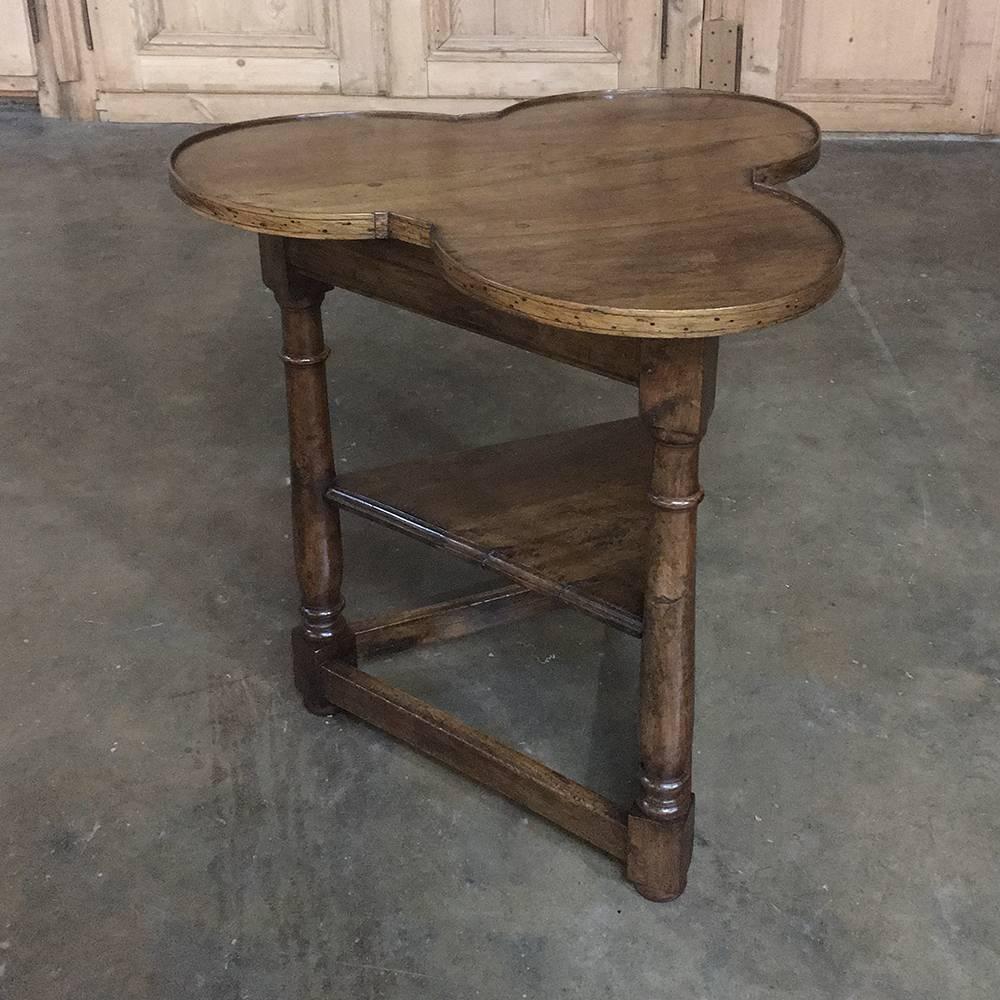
{"type": "Point", "coordinates": [237, 46]}
{"type": "Point", "coordinates": [517, 18]}
{"type": "Point", "coordinates": [17, 53]}
{"type": "Point", "coordinates": [860, 51]}
{"type": "Point", "coordinates": [910, 54]}
{"type": "Point", "coordinates": [199, 59]}
{"type": "Point", "coordinates": [287, 23]}
{"type": "Point", "coordinates": [529, 48]}
{"type": "Point", "coordinates": [559, 18]}
{"type": "Point", "coordinates": [232, 46]}
{"type": "Point", "coordinates": [859, 65]}
{"type": "Point", "coordinates": [221, 73]}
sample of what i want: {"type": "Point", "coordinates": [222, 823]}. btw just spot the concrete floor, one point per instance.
{"type": "Point", "coordinates": [174, 825]}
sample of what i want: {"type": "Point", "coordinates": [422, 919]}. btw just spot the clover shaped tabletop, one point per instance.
{"type": "Point", "coordinates": [643, 213]}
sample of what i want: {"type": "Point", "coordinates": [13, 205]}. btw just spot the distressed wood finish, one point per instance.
{"type": "Point", "coordinates": [892, 66]}
{"type": "Point", "coordinates": [511, 226]}
{"type": "Point", "coordinates": [650, 209]}
{"type": "Point", "coordinates": [855, 65]}
{"type": "Point", "coordinates": [222, 60]}
{"type": "Point", "coordinates": [18, 70]}
{"type": "Point", "coordinates": [157, 54]}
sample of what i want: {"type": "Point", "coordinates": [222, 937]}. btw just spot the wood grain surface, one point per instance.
{"type": "Point", "coordinates": [643, 213]}
{"type": "Point", "coordinates": [408, 276]}
{"type": "Point", "coordinates": [563, 514]}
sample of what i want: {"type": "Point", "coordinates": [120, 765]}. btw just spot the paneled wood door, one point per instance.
{"type": "Point", "coordinates": [195, 60]}
{"type": "Point", "coordinates": [221, 60]}
{"type": "Point", "coordinates": [522, 48]}
{"type": "Point", "coordinates": [18, 75]}
{"type": "Point", "coordinates": [892, 65]}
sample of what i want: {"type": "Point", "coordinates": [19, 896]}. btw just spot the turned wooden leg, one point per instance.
{"type": "Point", "coordinates": [324, 634]}
{"type": "Point", "coordinates": [676, 391]}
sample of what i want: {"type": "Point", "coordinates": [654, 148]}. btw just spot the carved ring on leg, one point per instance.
{"type": "Point", "coordinates": [324, 635]}
{"type": "Point", "coordinates": [663, 799]}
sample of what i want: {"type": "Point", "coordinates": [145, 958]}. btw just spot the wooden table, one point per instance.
{"type": "Point", "coordinates": [619, 232]}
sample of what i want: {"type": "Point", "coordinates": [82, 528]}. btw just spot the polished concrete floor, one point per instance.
{"type": "Point", "coordinates": [173, 825]}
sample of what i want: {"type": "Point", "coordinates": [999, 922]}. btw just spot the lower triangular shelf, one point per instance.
{"type": "Point", "coordinates": [564, 514]}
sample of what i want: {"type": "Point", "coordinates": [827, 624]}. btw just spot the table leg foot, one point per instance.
{"type": "Point", "coordinates": [659, 854]}
{"type": "Point", "coordinates": [309, 657]}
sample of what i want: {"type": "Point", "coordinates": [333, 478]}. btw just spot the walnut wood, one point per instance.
{"type": "Point", "coordinates": [309, 656]}
{"type": "Point", "coordinates": [490, 762]}
{"type": "Point", "coordinates": [646, 217]}
{"type": "Point", "coordinates": [676, 395]}
{"type": "Point", "coordinates": [407, 275]}
{"type": "Point", "coordinates": [447, 620]}
{"type": "Point", "coordinates": [641, 214]}
{"type": "Point", "coordinates": [317, 545]}
{"type": "Point", "coordinates": [564, 514]}
{"type": "Point", "coordinates": [659, 854]}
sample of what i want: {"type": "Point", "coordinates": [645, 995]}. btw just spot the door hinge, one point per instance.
{"type": "Point", "coordinates": [721, 54]}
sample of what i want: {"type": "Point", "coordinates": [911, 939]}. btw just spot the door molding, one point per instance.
{"type": "Point", "coordinates": [929, 71]}
{"type": "Point", "coordinates": [938, 86]}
